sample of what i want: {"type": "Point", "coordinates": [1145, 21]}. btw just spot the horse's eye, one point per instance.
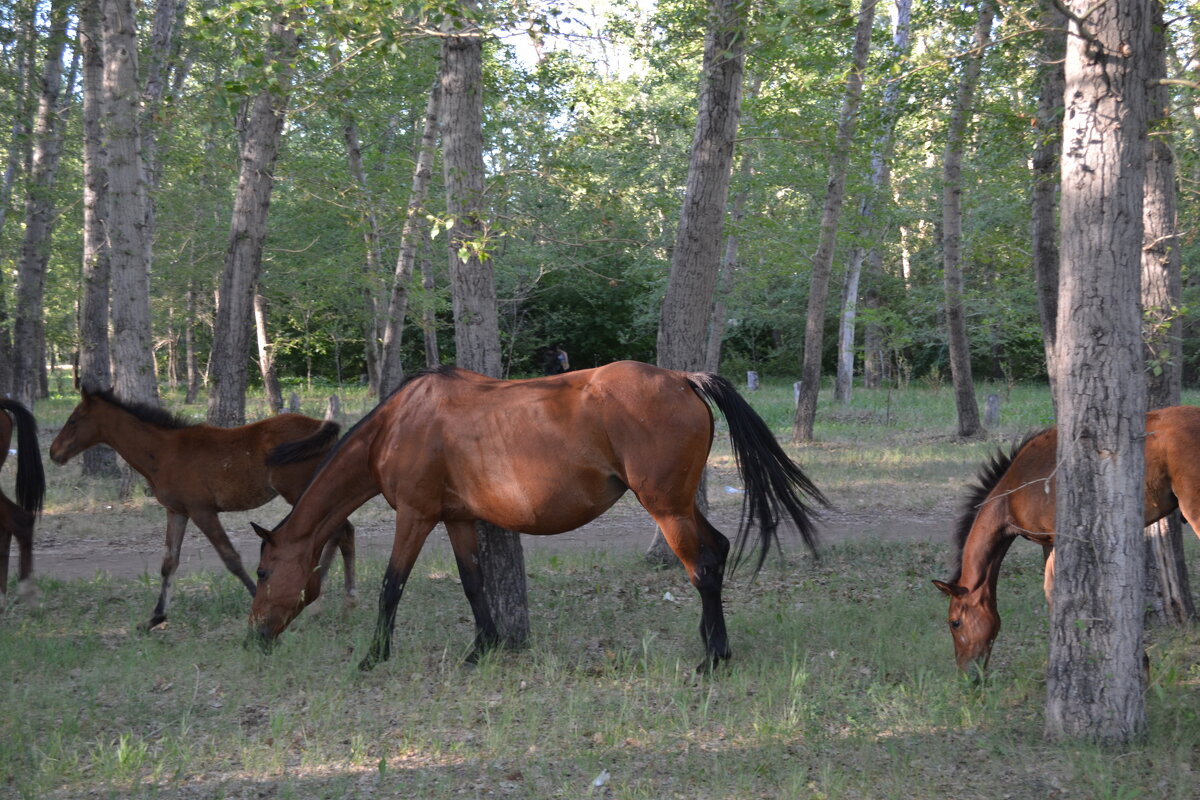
{"type": "Point", "coordinates": [262, 574]}
{"type": "Point", "coordinates": [956, 623]}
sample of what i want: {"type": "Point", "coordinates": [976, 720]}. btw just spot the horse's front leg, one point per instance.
{"type": "Point", "coordinates": [173, 541]}
{"type": "Point", "coordinates": [465, 541]}
{"type": "Point", "coordinates": [410, 537]}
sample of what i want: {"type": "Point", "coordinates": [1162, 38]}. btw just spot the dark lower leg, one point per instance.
{"type": "Point", "coordinates": [381, 643]}
{"type": "Point", "coordinates": [463, 539]}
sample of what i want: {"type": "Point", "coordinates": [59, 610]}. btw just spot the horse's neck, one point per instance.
{"type": "Point", "coordinates": [135, 441]}
{"type": "Point", "coordinates": [985, 547]}
{"type": "Point", "coordinates": [341, 485]}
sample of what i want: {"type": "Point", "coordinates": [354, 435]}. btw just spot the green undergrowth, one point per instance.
{"type": "Point", "coordinates": [842, 686]}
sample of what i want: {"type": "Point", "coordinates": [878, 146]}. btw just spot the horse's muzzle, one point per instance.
{"type": "Point", "coordinates": [261, 637]}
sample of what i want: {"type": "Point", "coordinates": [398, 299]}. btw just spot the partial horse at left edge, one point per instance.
{"type": "Point", "coordinates": [16, 519]}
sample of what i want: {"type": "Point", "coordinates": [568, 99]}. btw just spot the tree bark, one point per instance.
{"type": "Point", "coordinates": [392, 370]}
{"type": "Point", "coordinates": [473, 287]}
{"type": "Point", "coordinates": [1095, 679]}
{"type": "Point", "coordinates": [835, 194]}
{"type": "Point", "coordinates": [132, 343]}
{"type": "Point", "coordinates": [1168, 587]}
{"type": "Point", "coordinates": [248, 225]}
{"type": "Point", "coordinates": [39, 216]}
{"type": "Point", "coordinates": [868, 222]}
{"type": "Point", "coordinates": [371, 239]}
{"type": "Point", "coordinates": [266, 356]}
{"type": "Point", "coordinates": [956, 321]}
{"type": "Point", "coordinates": [429, 334]}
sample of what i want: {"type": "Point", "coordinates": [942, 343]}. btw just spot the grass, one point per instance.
{"type": "Point", "coordinates": [842, 684]}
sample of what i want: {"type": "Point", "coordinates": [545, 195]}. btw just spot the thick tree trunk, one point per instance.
{"type": "Point", "coordinates": [1095, 681]}
{"type": "Point", "coordinates": [473, 285]}
{"type": "Point", "coordinates": [243, 258]}
{"type": "Point", "coordinates": [1169, 591]}
{"type": "Point", "coordinates": [956, 320]}
{"type": "Point", "coordinates": [868, 222]}
{"type": "Point", "coordinates": [95, 369]}
{"type": "Point", "coordinates": [39, 216]}
{"type": "Point", "coordinates": [132, 343]}
{"type": "Point", "coordinates": [835, 194]}
{"type": "Point", "coordinates": [392, 370]}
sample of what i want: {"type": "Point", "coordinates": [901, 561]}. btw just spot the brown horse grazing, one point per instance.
{"type": "Point", "coordinates": [16, 519]}
{"type": "Point", "coordinates": [1015, 497]}
{"type": "Point", "coordinates": [540, 456]}
{"type": "Point", "coordinates": [197, 471]}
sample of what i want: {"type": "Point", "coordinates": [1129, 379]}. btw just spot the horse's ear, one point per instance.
{"type": "Point", "coordinates": [949, 589]}
{"type": "Point", "coordinates": [263, 533]}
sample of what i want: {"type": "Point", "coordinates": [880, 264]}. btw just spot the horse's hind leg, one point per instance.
{"type": "Point", "coordinates": [7, 522]}
{"type": "Point", "coordinates": [703, 551]}
{"type": "Point", "coordinates": [208, 522]}
{"type": "Point", "coordinates": [465, 541]}
{"type": "Point", "coordinates": [176, 525]}
{"type": "Point", "coordinates": [26, 589]}
{"type": "Point", "coordinates": [342, 542]}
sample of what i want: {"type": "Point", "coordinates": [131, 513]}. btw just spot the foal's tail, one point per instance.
{"type": "Point", "coordinates": [775, 485]}
{"type": "Point", "coordinates": [31, 478]}
{"type": "Point", "coordinates": [315, 444]}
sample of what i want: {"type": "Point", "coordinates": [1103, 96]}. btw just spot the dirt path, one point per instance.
{"type": "Point", "coordinates": [127, 544]}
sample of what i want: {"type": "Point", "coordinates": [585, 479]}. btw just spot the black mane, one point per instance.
{"type": "Point", "coordinates": [145, 412]}
{"type": "Point", "coordinates": [988, 476]}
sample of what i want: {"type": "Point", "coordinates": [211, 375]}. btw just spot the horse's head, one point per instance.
{"type": "Point", "coordinates": [81, 431]}
{"type": "Point", "coordinates": [288, 580]}
{"type": "Point", "coordinates": [974, 625]}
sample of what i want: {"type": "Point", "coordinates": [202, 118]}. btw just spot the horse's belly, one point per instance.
{"type": "Point", "coordinates": [545, 506]}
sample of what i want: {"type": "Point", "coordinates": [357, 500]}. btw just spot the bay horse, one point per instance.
{"type": "Point", "coordinates": [197, 471]}
{"type": "Point", "coordinates": [1015, 496]}
{"type": "Point", "coordinates": [16, 519]}
{"type": "Point", "coordinates": [540, 456]}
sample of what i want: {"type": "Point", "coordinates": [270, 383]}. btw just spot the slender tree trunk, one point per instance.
{"type": "Point", "coordinates": [132, 343]}
{"type": "Point", "coordinates": [189, 346]}
{"type": "Point", "coordinates": [835, 194]}
{"type": "Point", "coordinates": [39, 216]}
{"type": "Point", "coordinates": [1046, 174]}
{"type": "Point", "coordinates": [95, 369]}
{"type": "Point", "coordinates": [697, 253]}
{"type": "Point", "coordinates": [392, 371]}
{"type": "Point", "coordinates": [473, 285]}
{"type": "Point", "coordinates": [243, 258]}
{"type": "Point", "coordinates": [371, 239]}
{"type": "Point", "coordinates": [868, 222]}
{"type": "Point", "coordinates": [956, 319]}
{"type": "Point", "coordinates": [1169, 591]}
{"type": "Point", "coordinates": [266, 356]}
{"type": "Point", "coordinates": [1095, 681]}
{"type": "Point", "coordinates": [428, 314]}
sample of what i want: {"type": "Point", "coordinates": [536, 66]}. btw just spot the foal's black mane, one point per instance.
{"type": "Point", "coordinates": [988, 476]}
{"type": "Point", "coordinates": [145, 412]}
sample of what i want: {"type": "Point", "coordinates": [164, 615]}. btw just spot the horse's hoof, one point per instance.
{"type": "Point", "coordinates": [711, 664]}
{"type": "Point", "coordinates": [367, 664]}
{"type": "Point", "coordinates": [155, 623]}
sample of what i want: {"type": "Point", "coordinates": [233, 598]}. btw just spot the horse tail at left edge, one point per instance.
{"type": "Point", "coordinates": [31, 478]}
{"type": "Point", "coordinates": [315, 444]}
{"type": "Point", "coordinates": [774, 484]}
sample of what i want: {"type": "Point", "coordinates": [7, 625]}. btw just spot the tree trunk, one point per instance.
{"type": "Point", "coordinates": [392, 371]}
{"type": "Point", "coordinates": [697, 252]}
{"type": "Point", "coordinates": [835, 194]}
{"type": "Point", "coordinates": [39, 217]}
{"type": "Point", "coordinates": [956, 321]}
{"type": "Point", "coordinates": [189, 347]}
{"type": "Point", "coordinates": [248, 226]}
{"type": "Point", "coordinates": [473, 286]}
{"type": "Point", "coordinates": [266, 356]}
{"type": "Point", "coordinates": [1095, 680]}
{"type": "Point", "coordinates": [433, 356]}
{"type": "Point", "coordinates": [132, 343]}
{"type": "Point", "coordinates": [1168, 587]}
{"type": "Point", "coordinates": [371, 240]}
{"type": "Point", "coordinates": [868, 223]}
{"type": "Point", "coordinates": [1046, 173]}
{"type": "Point", "coordinates": [95, 369]}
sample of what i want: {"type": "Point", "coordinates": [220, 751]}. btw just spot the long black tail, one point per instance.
{"type": "Point", "coordinates": [775, 485]}
{"type": "Point", "coordinates": [31, 478]}
{"type": "Point", "coordinates": [311, 446]}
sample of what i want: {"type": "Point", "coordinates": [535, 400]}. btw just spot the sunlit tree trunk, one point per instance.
{"type": "Point", "coordinates": [1095, 680]}
{"type": "Point", "coordinates": [392, 370]}
{"type": "Point", "coordinates": [243, 258]}
{"type": "Point", "coordinates": [266, 355]}
{"type": "Point", "coordinates": [429, 332]}
{"type": "Point", "coordinates": [473, 286]}
{"type": "Point", "coordinates": [956, 319]}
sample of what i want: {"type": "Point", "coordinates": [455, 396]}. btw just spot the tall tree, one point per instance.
{"type": "Point", "coordinates": [132, 345]}
{"type": "Point", "coordinates": [39, 215]}
{"type": "Point", "coordinates": [473, 287]}
{"type": "Point", "coordinates": [956, 135]}
{"type": "Point", "coordinates": [868, 209]}
{"type": "Point", "coordinates": [372, 244]}
{"type": "Point", "coordinates": [695, 258]}
{"type": "Point", "coordinates": [1095, 679]}
{"type": "Point", "coordinates": [247, 231]}
{"type": "Point", "coordinates": [1162, 297]}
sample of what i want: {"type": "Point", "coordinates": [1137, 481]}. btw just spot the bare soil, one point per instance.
{"type": "Point", "coordinates": [125, 542]}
